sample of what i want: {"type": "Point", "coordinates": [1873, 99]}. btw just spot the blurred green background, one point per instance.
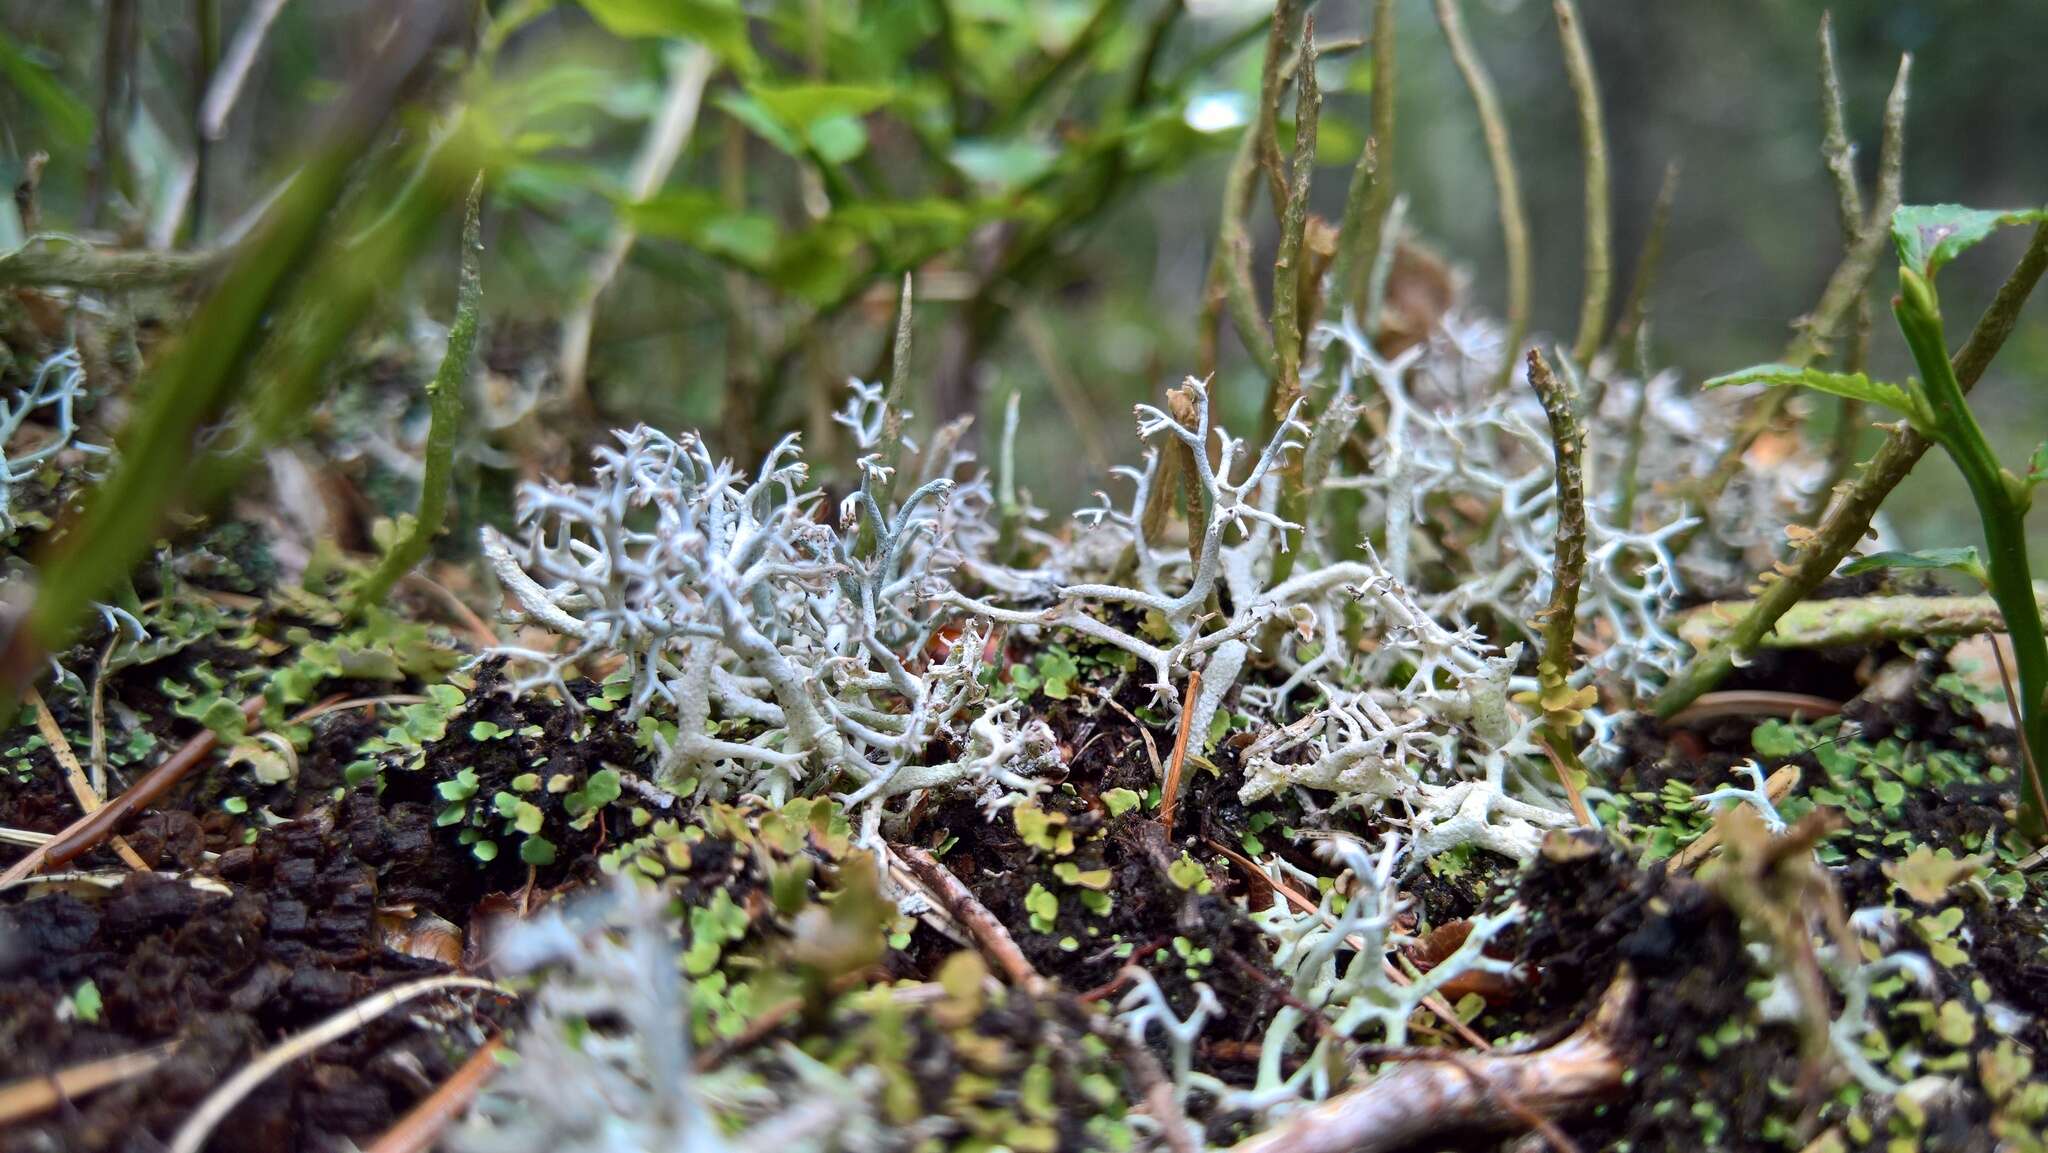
{"type": "Point", "coordinates": [1060, 220]}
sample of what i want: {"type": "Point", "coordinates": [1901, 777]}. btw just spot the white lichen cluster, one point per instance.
{"type": "Point", "coordinates": [52, 397]}
{"type": "Point", "coordinates": [1334, 960]}
{"type": "Point", "coordinates": [735, 604]}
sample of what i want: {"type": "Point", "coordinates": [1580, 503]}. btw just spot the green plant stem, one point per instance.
{"type": "Point", "coordinates": [1850, 516]}
{"type": "Point", "coordinates": [2002, 506]}
{"type": "Point", "coordinates": [444, 397]}
{"type": "Point", "coordinates": [1507, 181]}
{"type": "Point", "coordinates": [1559, 621]}
{"type": "Point", "coordinates": [1578, 63]}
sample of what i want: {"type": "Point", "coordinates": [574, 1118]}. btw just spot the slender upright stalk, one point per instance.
{"type": "Point", "coordinates": [1558, 623]}
{"type": "Point", "coordinates": [1380, 194]}
{"type": "Point", "coordinates": [1578, 64]}
{"type": "Point", "coordinates": [1286, 386]}
{"type": "Point", "coordinates": [1514, 223]}
{"type": "Point", "coordinates": [444, 397]}
{"type": "Point", "coordinates": [2002, 506]}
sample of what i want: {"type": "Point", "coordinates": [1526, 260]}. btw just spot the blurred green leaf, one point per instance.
{"type": "Point", "coordinates": [799, 105]}
{"type": "Point", "coordinates": [68, 117]}
{"type": "Point", "coordinates": [1004, 165]}
{"type": "Point", "coordinates": [837, 139]}
{"type": "Point", "coordinates": [700, 219]}
{"type": "Point", "coordinates": [1930, 235]}
{"type": "Point", "coordinates": [1963, 560]}
{"type": "Point", "coordinates": [1848, 385]}
{"type": "Point", "coordinates": [719, 25]}
{"type": "Point", "coordinates": [751, 112]}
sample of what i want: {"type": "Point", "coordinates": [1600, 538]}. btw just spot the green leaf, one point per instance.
{"type": "Point", "coordinates": [798, 106]}
{"type": "Point", "coordinates": [2037, 465]}
{"type": "Point", "coordinates": [1930, 235]}
{"type": "Point", "coordinates": [67, 119]}
{"type": "Point", "coordinates": [1004, 165]}
{"type": "Point", "coordinates": [697, 218]}
{"type": "Point", "coordinates": [537, 851]}
{"type": "Point", "coordinates": [1963, 560]}
{"type": "Point", "coordinates": [1848, 385]}
{"type": "Point", "coordinates": [837, 139]}
{"type": "Point", "coordinates": [86, 1002]}
{"type": "Point", "coordinates": [717, 24]}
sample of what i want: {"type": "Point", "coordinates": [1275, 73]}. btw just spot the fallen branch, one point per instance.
{"type": "Point", "coordinates": [49, 262]}
{"type": "Point", "coordinates": [1850, 620]}
{"type": "Point", "coordinates": [1421, 1100]}
{"type": "Point", "coordinates": [1689, 858]}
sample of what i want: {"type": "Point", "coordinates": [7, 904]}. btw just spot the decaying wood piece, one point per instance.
{"type": "Point", "coordinates": [990, 936]}
{"type": "Point", "coordinates": [1493, 1092]}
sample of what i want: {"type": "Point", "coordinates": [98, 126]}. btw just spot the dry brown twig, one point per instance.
{"type": "Point", "coordinates": [1420, 1099]}
{"type": "Point", "coordinates": [990, 936]}
{"type": "Point", "coordinates": [421, 1127]}
{"type": "Point", "coordinates": [1169, 791]}
{"type": "Point", "coordinates": [81, 785]}
{"type": "Point", "coordinates": [39, 1093]}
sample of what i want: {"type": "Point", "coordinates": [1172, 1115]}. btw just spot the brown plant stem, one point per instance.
{"type": "Point", "coordinates": [1599, 270]}
{"type": "Point", "coordinates": [1507, 181]}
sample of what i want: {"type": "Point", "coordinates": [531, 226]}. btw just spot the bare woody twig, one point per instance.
{"type": "Point", "coordinates": [1422, 1099]}
{"type": "Point", "coordinates": [1169, 789]}
{"type": "Point", "coordinates": [1507, 181]}
{"type": "Point", "coordinates": [1818, 330]}
{"type": "Point", "coordinates": [421, 1128]}
{"type": "Point", "coordinates": [1286, 385]}
{"type": "Point", "coordinates": [37, 1094]}
{"type": "Point", "coordinates": [989, 934]}
{"type": "Point", "coordinates": [61, 262]}
{"type": "Point", "coordinates": [689, 71]}
{"type": "Point", "coordinates": [1558, 623]}
{"type": "Point", "coordinates": [1578, 63]}
{"type": "Point", "coordinates": [191, 1136]}
{"type": "Point", "coordinates": [89, 799]}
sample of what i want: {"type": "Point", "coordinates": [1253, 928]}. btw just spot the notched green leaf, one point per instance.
{"type": "Point", "coordinates": [1848, 385]}
{"type": "Point", "coordinates": [1930, 235]}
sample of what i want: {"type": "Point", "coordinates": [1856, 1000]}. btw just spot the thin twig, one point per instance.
{"type": "Point", "coordinates": [191, 1136]}
{"type": "Point", "coordinates": [39, 1093]}
{"type": "Point", "coordinates": [1777, 787]}
{"type": "Point", "coordinates": [421, 1127]}
{"type": "Point", "coordinates": [1170, 788]}
{"type": "Point", "coordinates": [1507, 181]}
{"type": "Point", "coordinates": [989, 933]}
{"type": "Point", "coordinates": [1300, 900]}
{"type": "Point", "coordinates": [1599, 271]}
{"type": "Point", "coordinates": [689, 71]}
{"type": "Point", "coordinates": [82, 789]}
{"type": "Point", "coordinates": [1285, 387]}
{"type": "Point", "coordinates": [1373, 230]}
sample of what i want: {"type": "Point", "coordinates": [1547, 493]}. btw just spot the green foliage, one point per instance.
{"type": "Point", "coordinates": [1928, 236]}
{"type": "Point", "coordinates": [719, 25]}
{"type": "Point", "coordinates": [1847, 385]}
{"type": "Point", "coordinates": [1965, 560]}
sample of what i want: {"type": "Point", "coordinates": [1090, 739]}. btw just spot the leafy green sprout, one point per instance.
{"type": "Point", "coordinates": [1928, 237]}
